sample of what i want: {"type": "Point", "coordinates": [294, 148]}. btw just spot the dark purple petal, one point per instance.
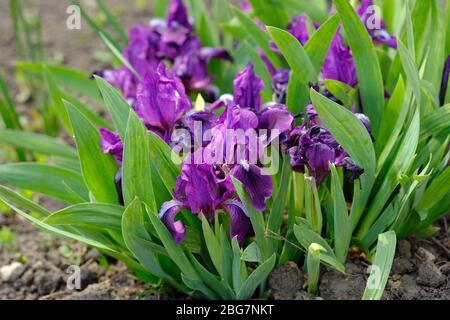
{"type": "Point", "coordinates": [351, 166]}
{"type": "Point", "coordinates": [118, 183]}
{"type": "Point", "coordinates": [207, 54]}
{"type": "Point", "coordinates": [241, 226]}
{"type": "Point", "coordinates": [375, 26]}
{"type": "Point", "coordinates": [161, 101]}
{"type": "Point", "coordinates": [319, 158]}
{"type": "Point", "coordinates": [246, 6]}
{"type": "Point", "coordinates": [247, 89]}
{"type": "Point", "coordinates": [142, 50]}
{"type": "Point", "coordinates": [177, 16]}
{"type": "Point", "coordinates": [444, 83]}
{"type": "Point", "coordinates": [280, 81]}
{"type": "Point", "coordinates": [168, 212]}
{"type": "Point", "coordinates": [201, 190]}
{"type": "Point", "coordinates": [122, 79]}
{"type": "Point", "coordinates": [339, 64]}
{"type": "Point", "coordinates": [111, 143]}
{"type": "Point", "coordinates": [299, 29]}
{"type": "Point", "coordinates": [258, 185]}
{"type": "Point", "coordinates": [365, 121]}
{"type": "Point", "coordinates": [275, 117]}
{"type": "Point", "coordinates": [313, 116]}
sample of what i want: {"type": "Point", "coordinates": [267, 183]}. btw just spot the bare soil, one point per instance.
{"type": "Point", "coordinates": [421, 271]}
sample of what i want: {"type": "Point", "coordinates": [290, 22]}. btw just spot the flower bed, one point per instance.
{"type": "Point", "coordinates": [243, 142]}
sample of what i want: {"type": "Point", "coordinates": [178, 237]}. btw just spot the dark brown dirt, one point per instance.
{"type": "Point", "coordinates": [35, 266]}
{"type": "Point", "coordinates": [421, 271]}
{"type": "Point", "coordinates": [35, 263]}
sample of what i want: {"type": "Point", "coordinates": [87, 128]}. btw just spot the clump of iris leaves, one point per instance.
{"type": "Point", "coordinates": [390, 119]}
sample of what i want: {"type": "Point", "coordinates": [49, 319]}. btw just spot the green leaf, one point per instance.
{"type": "Point", "coordinates": [270, 13]}
{"type": "Point", "coordinates": [251, 253]}
{"type": "Point", "coordinates": [116, 105]}
{"type": "Point", "coordinates": [116, 52]}
{"type": "Point", "coordinates": [318, 45]}
{"type": "Point", "coordinates": [60, 232]}
{"type": "Point", "coordinates": [367, 65]}
{"type": "Point", "coordinates": [112, 21]}
{"type": "Point", "coordinates": [342, 91]}
{"type": "Point", "coordinates": [351, 134]}
{"type": "Point", "coordinates": [137, 168]}
{"type": "Point", "coordinates": [256, 278]}
{"type": "Point", "coordinates": [18, 200]}
{"type": "Point", "coordinates": [435, 123]}
{"type": "Point", "coordinates": [381, 267]}
{"type": "Point", "coordinates": [279, 203]}
{"type": "Point", "coordinates": [98, 216]}
{"type": "Point", "coordinates": [306, 236]}
{"type": "Point", "coordinates": [220, 287]}
{"type": "Point", "coordinates": [256, 218]}
{"type": "Point", "coordinates": [71, 79]}
{"type": "Point", "coordinates": [259, 36]}
{"type": "Point", "coordinates": [297, 96]}
{"type": "Point", "coordinates": [239, 269]}
{"type": "Point", "coordinates": [98, 169]}
{"type": "Point", "coordinates": [438, 189]}
{"type": "Point", "coordinates": [38, 143]}
{"type": "Point", "coordinates": [411, 72]}
{"type": "Point", "coordinates": [311, 8]}
{"type": "Point", "coordinates": [213, 245]}
{"type": "Point", "coordinates": [57, 100]}
{"type": "Point", "coordinates": [8, 108]}
{"type": "Point", "coordinates": [295, 55]}
{"type": "Point", "coordinates": [87, 112]}
{"type": "Point", "coordinates": [174, 251]}
{"type": "Point", "coordinates": [141, 244]}
{"type": "Point", "coordinates": [199, 286]}
{"type": "Point", "coordinates": [397, 103]}
{"type": "Point", "coordinates": [313, 265]}
{"type": "Point", "coordinates": [342, 226]}
{"type": "Point", "coordinates": [406, 152]}
{"type": "Point", "coordinates": [49, 180]}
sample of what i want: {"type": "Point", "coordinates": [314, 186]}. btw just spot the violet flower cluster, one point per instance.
{"type": "Point", "coordinates": [172, 41]}
{"type": "Point", "coordinates": [339, 63]}
{"type": "Point", "coordinates": [207, 188]}
{"type": "Point", "coordinates": [161, 100]}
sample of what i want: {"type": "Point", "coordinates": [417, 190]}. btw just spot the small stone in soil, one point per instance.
{"type": "Point", "coordinates": [429, 275]}
{"type": "Point", "coordinates": [12, 272]}
{"type": "Point", "coordinates": [402, 265]}
{"type": "Point", "coordinates": [98, 291]}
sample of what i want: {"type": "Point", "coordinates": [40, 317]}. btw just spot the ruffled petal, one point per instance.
{"type": "Point", "coordinates": [258, 185]}
{"type": "Point", "coordinates": [168, 212]}
{"type": "Point", "coordinates": [241, 226]}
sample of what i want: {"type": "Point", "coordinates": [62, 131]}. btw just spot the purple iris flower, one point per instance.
{"type": "Point", "coordinates": [191, 65]}
{"type": "Point", "coordinates": [375, 26]}
{"type": "Point", "coordinates": [247, 89]}
{"type": "Point", "coordinates": [173, 41]}
{"type": "Point", "coordinates": [161, 101]}
{"type": "Point", "coordinates": [444, 83]}
{"type": "Point", "coordinates": [339, 64]}
{"type": "Point", "coordinates": [205, 189]}
{"type": "Point", "coordinates": [280, 81]}
{"type": "Point", "coordinates": [112, 144]}
{"type": "Point", "coordinates": [315, 148]}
